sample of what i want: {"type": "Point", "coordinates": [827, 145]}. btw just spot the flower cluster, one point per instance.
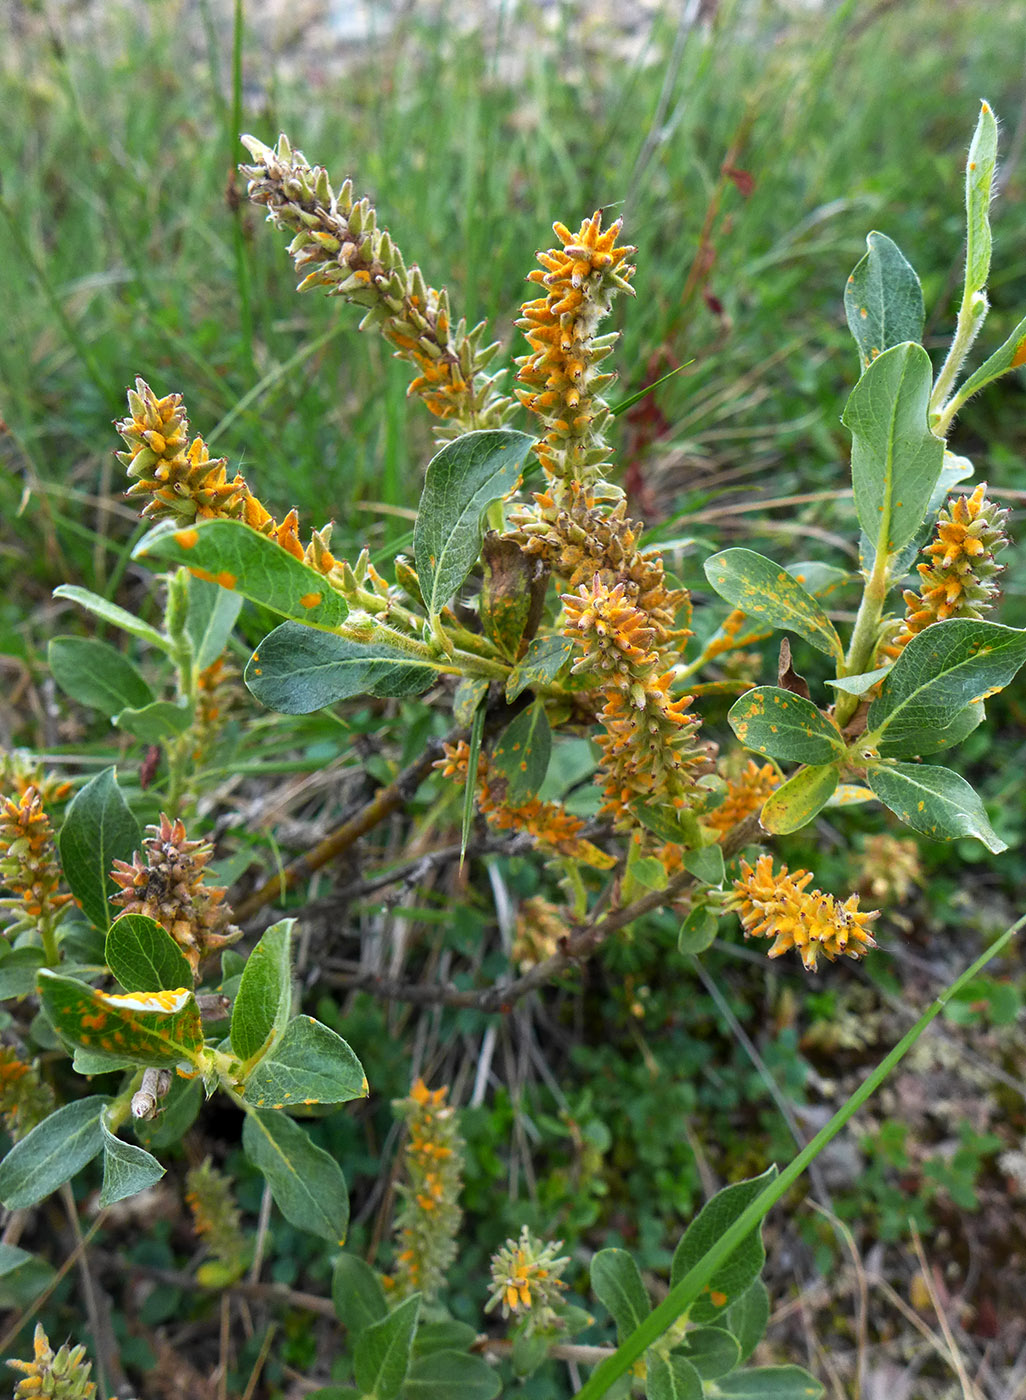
{"type": "Point", "coordinates": [216, 1220]}
{"type": "Point", "coordinates": [526, 1280]}
{"type": "Point", "coordinates": [62, 1375]}
{"type": "Point", "coordinates": [28, 866]}
{"type": "Point", "coordinates": [25, 1099]}
{"type": "Point", "coordinates": [958, 577]}
{"type": "Point", "coordinates": [889, 868]}
{"type": "Point", "coordinates": [745, 796]}
{"type": "Point", "coordinates": [19, 771]}
{"type": "Point", "coordinates": [338, 245]}
{"type": "Point", "coordinates": [649, 747]}
{"type": "Point", "coordinates": [561, 372]}
{"type": "Point", "coordinates": [549, 825]}
{"type": "Point", "coordinates": [778, 906]}
{"type": "Point", "coordinates": [429, 1217]}
{"type": "Point", "coordinates": [168, 887]}
{"type": "Point", "coordinates": [540, 928]}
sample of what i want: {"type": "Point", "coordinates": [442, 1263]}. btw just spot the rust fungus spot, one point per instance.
{"type": "Point", "coordinates": [717, 1298]}
{"type": "Point", "coordinates": [186, 538]}
{"type": "Point", "coordinates": [310, 600]}
{"type": "Point", "coordinates": [95, 1023]}
{"type": "Point", "coordinates": [225, 579]}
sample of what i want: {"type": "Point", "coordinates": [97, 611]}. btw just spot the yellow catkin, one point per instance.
{"type": "Point", "coordinates": [29, 867]}
{"type": "Point", "coordinates": [429, 1215]}
{"type": "Point", "coordinates": [61, 1375]}
{"type": "Point", "coordinates": [777, 905]}
{"type": "Point", "coordinates": [746, 795]}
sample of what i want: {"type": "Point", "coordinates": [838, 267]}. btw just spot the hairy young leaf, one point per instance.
{"type": "Point", "coordinates": [883, 300]}
{"type": "Point", "coordinates": [942, 670]}
{"type": "Point", "coordinates": [461, 481]}
{"type": "Point", "coordinates": [748, 1318]}
{"type": "Point", "coordinates": [144, 957]}
{"type": "Point", "coordinates": [935, 801]}
{"type": "Point", "coordinates": [381, 1357]}
{"type": "Point", "coordinates": [95, 674]}
{"type": "Point", "coordinates": [671, 1378]}
{"type": "Point", "coordinates": [770, 1383]}
{"type": "Point", "coordinates": [357, 1295]}
{"type": "Point", "coordinates": [522, 753]}
{"type": "Point", "coordinates": [542, 662]}
{"type": "Point", "coordinates": [979, 176]}
{"type": "Point", "coordinates": [98, 829]}
{"type": "Point", "coordinates": [777, 722]}
{"type": "Point", "coordinates": [712, 1351]}
{"type": "Point", "coordinates": [795, 803]}
{"type": "Point", "coordinates": [765, 592]}
{"type": "Point", "coordinates": [264, 999]}
{"type": "Point", "coordinates": [451, 1375]}
{"type": "Point", "coordinates": [157, 722]}
{"type": "Point", "coordinates": [306, 1183]}
{"type": "Point", "coordinates": [238, 558]}
{"type": "Point", "coordinates": [210, 615]}
{"type": "Point", "coordinates": [742, 1267]}
{"type": "Point", "coordinates": [616, 1283]}
{"type": "Point", "coordinates": [296, 670]}
{"type": "Point", "coordinates": [895, 459]}
{"type": "Point", "coordinates": [110, 612]}
{"type": "Point", "coordinates": [52, 1153]}
{"type": "Point", "coordinates": [1010, 355]}
{"type": "Point", "coordinates": [307, 1064]}
{"type": "Point", "coordinates": [160, 1028]}
{"type": "Point", "coordinates": [126, 1169]}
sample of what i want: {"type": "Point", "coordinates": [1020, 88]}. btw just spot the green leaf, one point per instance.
{"type": "Point", "coordinates": [648, 871]}
{"type": "Point", "coordinates": [127, 1169]}
{"type": "Point", "coordinates": [470, 789]}
{"type": "Point", "coordinates": [52, 1153]}
{"type": "Point", "coordinates": [1010, 355]}
{"type": "Point", "coordinates": [883, 300]}
{"type": "Point", "coordinates": [777, 722]}
{"type": "Point", "coordinates": [381, 1356]}
{"type": "Point", "coordinates": [210, 615]}
{"type": "Point", "coordinates": [858, 685]}
{"type": "Point", "coordinates": [522, 753]}
{"type": "Point", "coordinates": [461, 481]}
{"type": "Point", "coordinates": [712, 1351]}
{"type": "Point", "coordinates": [18, 968]}
{"type": "Point", "coordinates": [95, 674]}
{"type": "Point", "coordinates": [238, 558]}
{"type": "Point", "coordinates": [469, 694]}
{"type": "Point", "coordinates": [448, 1335]}
{"type": "Point", "coordinates": [946, 736]}
{"type": "Point", "coordinates": [144, 957]}
{"type": "Point", "coordinates": [306, 1183]}
{"type": "Point", "coordinates": [895, 459]}
{"type": "Point", "coordinates": [671, 1378]}
{"type": "Point", "coordinates": [451, 1375]}
{"type": "Point", "coordinates": [818, 580]}
{"type": "Point", "coordinates": [668, 823]}
{"type": "Point", "coordinates": [748, 1318]}
{"type": "Point", "coordinates": [616, 1283]}
{"type": "Point", "coordinates": [540, 665]}
{"type": "Point", "coordinates": [770, 1383]}
{"type": "Point", "coordinates": [741, 1268]}
{"type": "Point", "coordinates": [697, 931]}
{"type": "Point", "coordinates": [296, 670]}
{"type": "Point", "coordinates": [935, 801]}
{"type": "Point", "coordinates": [795, 803]}
{"type": "Point", "coordinates": [264, 1000]}
{"type": "Point", "coordinates": [160, 1028]}
{"type": "Point", "coordinates": [98, 829]}
{"type": "Point", "coordinates": [357, 1295]}
{"type": "Point", "coordinates": [942, 670]}
{"type": "Point", "coordinates": [953, 470]}
{"type": "Point", "coordinates": [157, 722]}
{"type": "Point", "coordinates": [117, 617]}
{"type": "Point", "coordinates": [767, 593]}
{"type": "Point", "coordinates": [11, 1258]}
{"type": "Point", "coordinates": [308, 1064]}
{"type": "Point", "coordinates": [979, 176]}
{"type": "Point", "coordinates": [706, 864]}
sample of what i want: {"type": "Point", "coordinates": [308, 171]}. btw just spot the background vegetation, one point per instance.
{"type": "Point", "coordinates": [750, 148]}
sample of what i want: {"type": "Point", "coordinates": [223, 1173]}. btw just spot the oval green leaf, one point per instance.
{"type": "Point", "coordinates": [769, 1383]}
{"type": "Point", "coordinates": [381, 1357]}
{"type": "Point", "coordinates": [127, 1169]}
{"type": "Point", "coordinates": [237, 558]}
{"type": "Point", "coordinates": [308, 1064]}
{"type": "Point", "coordinates": [522, 753]}
{"type": "Point", "coordinates": [157, 722]}
{"type": "Point", "coordinates": [895, 459]}
{"type": "Point", "coordinates": [883, 299]}
{"type": "Point", "coordinates": [306, 1183]}
{"type": "Point", "coordinates": [209, 618]}
{"type": "Point", "coordinates": [461, 481]}
{"type": "Point", "coordinates": [451, 1375]}
{"type": "Point", "coordinates": [742, 1267]}
{"type": "Point", "coordinates": [540, 664]}
{"type": "Point", "coordinates": [144, 957]}
{"type": "Point", "coordinates": [795, 803]}
{"type": "Point", "coordinates": [616, 1283]}
{"type": "Point", "coordinates": [671, 1378]}
{"type": "Point", "coordinates": [98, 829]}
{"type": "Point", "coordinates": [96, 675]}
{"type": "Point", "coordinates": [264, 999]}
{"type": "Point", "coordinates": [786, 726]}
{"type": "Point", "coordinates": [935, 801]}
{"type": "Point", "coordinates": [767, 593]}
{"type": "Point", "coordinates": [712, 1351]}
{"type": "Point", "coordinates": [117, 617]}
{"type": "Point", "coordinates": [296, 670]}
{"type": "Point", "coordinates": [52, 1153]}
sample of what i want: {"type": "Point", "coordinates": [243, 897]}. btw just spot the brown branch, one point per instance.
{"type": "Point", "coordinates": [386, 801]}
{"type": "Point", "coordinates": [578, 945]}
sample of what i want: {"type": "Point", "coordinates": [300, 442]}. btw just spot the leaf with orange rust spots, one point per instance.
{"type": "Point", "coordinates": [796, 802]}
{"type": "Point", "coordinates": [308, 1064]}
{"type": "Point", "coordinates": [232, 555]}
{"type": "Point", "coordinates": [783, 725]}
{"type": "Point", "coordinates": [522, 753]}
{"type": "Point", "coordinates": [767, 593]}
{"type": "Point", "coordinates": [143, 1028]}
{"type": "Point", "coordinates": [734, 1277]}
